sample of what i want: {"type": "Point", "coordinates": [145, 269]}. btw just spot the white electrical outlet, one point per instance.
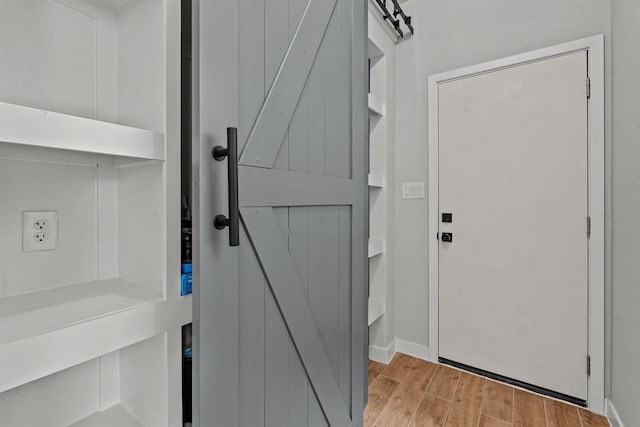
{"type": "Point", "coordinates": [39, 231]}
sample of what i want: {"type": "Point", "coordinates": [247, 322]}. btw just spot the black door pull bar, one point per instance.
{"type": "Point", "coordinates": [231, 153]}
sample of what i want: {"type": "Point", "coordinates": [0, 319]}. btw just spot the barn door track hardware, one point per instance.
{"type": "Point", "coordinates": [393, 18]}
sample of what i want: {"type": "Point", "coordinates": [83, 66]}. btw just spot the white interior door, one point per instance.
{"type": "Point", "coordinates": [513, 284]}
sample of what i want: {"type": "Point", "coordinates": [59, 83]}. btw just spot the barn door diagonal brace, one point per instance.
{"type": "Point", "coordinates": [273, 255]}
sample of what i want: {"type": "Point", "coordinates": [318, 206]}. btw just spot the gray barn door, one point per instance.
{"type": "Point", "coordinates": [280, 320]}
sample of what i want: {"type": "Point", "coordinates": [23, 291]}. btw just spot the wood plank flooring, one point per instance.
{"type": "Point", "coordinates": [410, 392]}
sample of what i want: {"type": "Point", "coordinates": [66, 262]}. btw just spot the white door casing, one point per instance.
{"type": "Point", "coordinates": [478, 146]}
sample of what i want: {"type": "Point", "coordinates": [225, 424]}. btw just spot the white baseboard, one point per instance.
{"type": "Point", "coordinates": [385, 354]}
{"type": "Point", "coordinates": [612, 414]}
{"type": "Point", "coordinates": [382, 354]}
{"type": "Point", "coordinates": [418, 351]}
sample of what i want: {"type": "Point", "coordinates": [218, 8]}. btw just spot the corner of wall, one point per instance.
{"type": "Point", "coordinates": [385, 354]}
{"type": "Point", "coordinates": [612, 414]}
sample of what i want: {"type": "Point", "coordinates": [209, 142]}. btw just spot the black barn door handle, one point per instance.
{"type": "Point", "coordinates": [231, 153]}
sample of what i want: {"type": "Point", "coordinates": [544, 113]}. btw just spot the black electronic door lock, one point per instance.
{"type": "Point", "coordinates": [447, 237]}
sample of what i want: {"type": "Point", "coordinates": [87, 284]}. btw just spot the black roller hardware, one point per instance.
{"type": "Point", "coordinates": [393, 17]}
{"type": "Point", "coordinates": [397, 10]}
{"type": "Point", "coordinates": [231, 154]}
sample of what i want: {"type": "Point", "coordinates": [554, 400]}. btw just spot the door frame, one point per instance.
{"type": "Point", "coordinates": [596, 197]}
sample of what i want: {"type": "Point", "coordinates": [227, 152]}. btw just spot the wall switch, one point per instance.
{"type": "Point", "coordinates": [39, 231]}
{"type": "Point", "coordinates": [413, 190]}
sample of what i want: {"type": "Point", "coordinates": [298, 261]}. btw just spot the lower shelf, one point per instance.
{"type": "Point", "coordinates": [376, 310]}
{"type": "Point", "coordinates": [27, 315]}
{"type": "Point", "coordinates": [376, 247]}
{"type": "Point", "coordinates": [114, 416]}
{"type": "Point", "coordinates": [46, 332]}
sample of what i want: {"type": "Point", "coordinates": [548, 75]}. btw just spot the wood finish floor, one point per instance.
{"type": "Point", "coordinates": [415, 393]}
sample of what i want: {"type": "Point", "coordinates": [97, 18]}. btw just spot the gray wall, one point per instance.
{"type": "Point", "coordinates": [625, 378]}
{"type": "Point", "coordinates": [451, 34]}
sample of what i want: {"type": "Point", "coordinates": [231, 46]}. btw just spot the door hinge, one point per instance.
{"type": "Point", "coordinates": [588, 365]}
{"type": "Point", "coordinates": [588, 87]}
{"type": "Point", "coordinates": [588, 226]}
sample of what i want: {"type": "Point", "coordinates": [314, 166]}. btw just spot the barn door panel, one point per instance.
{"type": "Point", "coordinates": [299, 272]}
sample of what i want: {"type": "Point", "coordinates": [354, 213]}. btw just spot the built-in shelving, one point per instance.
{"type": "Point", "coordinates": [381, 46]}
{"type": "Point", "coordinates": [376, 310]}
{"type": "Point", "coordinates": [40, 128]}
{"type": "Point", "coordinates": [114, 416]}
{"type": "Point", "coordinates": [76, 323]}
{"type": "Point", "coordinates": [376, 247]}
{"type": "Point", "coordinates": [84, 325]}
{"type": "Point", "coordinates": [376, 107]}
{"type": "Point", "coordinates": [31, 314]}
{"type": "Point", "coordinates": [376, 181]}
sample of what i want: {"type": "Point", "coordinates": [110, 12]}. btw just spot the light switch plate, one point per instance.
{"type": "Point", "coordinates": [413, 190]}
{"type": "Point", "coordinates": [39, 231]}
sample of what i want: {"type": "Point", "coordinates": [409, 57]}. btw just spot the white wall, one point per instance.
{"type": "Point", "coordinates": [625, 378]}
{"type": "Point", "coordinates": [449, 35]}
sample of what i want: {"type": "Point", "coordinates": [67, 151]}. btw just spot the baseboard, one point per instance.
{"type": "Point", "coordinates": [418, 351]}
{"type": "Point", "coordinates": [385, 354]}
{"type": "Point", "coordinates": [612, 414]}
{"type": "Point", "coordinates": [382, 354]}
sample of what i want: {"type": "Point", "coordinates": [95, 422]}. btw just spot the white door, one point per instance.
{"type": "Point", "coordinates": [513, 284]}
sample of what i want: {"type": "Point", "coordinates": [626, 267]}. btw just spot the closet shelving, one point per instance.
{"type": "Point", "coordinates": [376, 181]}
{"type": "Point", "coordinates": [376, 247]}
{"type": "Point", "coordinates": [48, 129]}
{"type": "Point", "coordinates": [376, 107]}
{"type": "Point", "coordinates": [378, 144]}
{"type": "Point", "coordinates": [37, 313]}
{"type": "Point", "coordinates": [90, 333]}
{"type": "Point", "coordinates": [376, 310]}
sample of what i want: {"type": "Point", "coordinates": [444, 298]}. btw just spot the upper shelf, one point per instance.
{"type": "Point", "coordinates": [376, 107]}
{"type": "Point", "coordinates": [40, 128]}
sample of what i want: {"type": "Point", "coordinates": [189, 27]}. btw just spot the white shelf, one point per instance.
{"type": "Point", "coordinates": [376, 247]}
{"type": "Point", "coordinates": [114, 416]}
{"type": "Point", "coordinates": [30, 126]}
{"type": "Point", "coordinates": [27, 315]}
{"type": "Point", "coordinates": [76, 323]}
{"type": "Point", "coordinates": [376, 181]}
{"type": "Point", "coordinates": [376, 310]}
{"type": "Point", "coordinates": [376, 107]}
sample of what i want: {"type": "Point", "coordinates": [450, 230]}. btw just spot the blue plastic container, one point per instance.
{"type": "Point", "coordinates": [186, 279]}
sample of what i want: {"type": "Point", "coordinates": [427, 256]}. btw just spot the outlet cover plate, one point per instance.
{"type": "Point", "coordinates": [39, 231]}
{"type": "Point", "coordinates": [413, 190]}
